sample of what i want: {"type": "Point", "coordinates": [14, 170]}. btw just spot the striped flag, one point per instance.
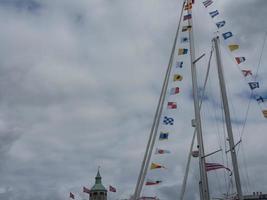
{"type": "Point", "coordinates": [214, 166]}
{"type": "Point", "coordinates": [188, 16]}
{"type": "Point", "coordinates": [207, 3]}
{"type": "Point", "coordinates": [214, 13]}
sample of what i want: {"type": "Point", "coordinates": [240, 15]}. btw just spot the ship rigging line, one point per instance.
{"type": "Point", "coordinates": [154, 128]}
{"type": "Point", "coordinates": [252, 93]}
{"type": "Point", "coordinates": [195, 131]}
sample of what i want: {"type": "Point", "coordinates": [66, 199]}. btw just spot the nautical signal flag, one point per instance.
{"type": "Point", "coordinates": [163, 136]}
{"type": "Point", "coordinates": [246, 72]}
{"type": "Point", "coordinates": [259, 99]}
{"type": "Point", "coordinates": [207, 3]}
{"type": "Point", "coordinates": [214, 13]}
{"type": "Point", "coordinates": [168, 120]}
{"type": "Point", "coordinates": [72, 196]}
{"type": "Point", "coordinates": [233, 47]}
{"type": "Point", "coordinates": [177, 77]}
{"type": "Point", "coordinates": [188, 16]}
{"type": "Point", "coordinates": [188, 6]}
{"type": "Point", "coordinates": [182, 51]}
{"type": "Point", "coordinates": [174, 90]}
{"type": "Point", "coordinates": [184, 39]}
{"type": "Point", "coordinates": [240, 59]}
{"type": "Point", "coordinates": [162, 151]}
{"type": "Point", "coordinates": [172, 105]}
{"type": "Point", "coordinates": [152, 182]}
{"type": "Point", "coordinates": [220, 24]}
{"type": "Point", "coordinates": [253, 85]}
{"type": "Point", "coordinates": [156, 166]}
{"type": "Point", "coordinates": [86, 190]}
{"type": "Point", "coordinates": [227, 35]}
{"type": "Point", "coordinates": [112, 189]}
{"type": "Point", "coordinates": [179, 64]}
{"type": "Point", "coordinates": [264, 112]}
{"type": "Point", "coordinates": [186, 28]}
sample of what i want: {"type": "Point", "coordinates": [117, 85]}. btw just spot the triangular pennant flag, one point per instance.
{"type": "Point", "coordinates": [227, 35]}
{"type": "Point", "coordinates": [175, 90]}
{"type": "Point", "coordinates": [179, 64]}
{"type": "Point", "coordinates": [240, 59]}
{"type": "Point", "coordinates": [214, 13]}
{"type": "Point", "coordinates": [246, 72]}
{"type": "Point", "coordinates": [156, 166]}
{"type": "Point", "coordinates": [220, 24]}
{"type": "Point", "coordinates": [264, 112]}
{"type": "Point", "coordinates": [161, 151]}
{"type": "Point", "coordinates": [253, 85]}
{"type": "Point", "coordinates": [172, 105]}
{"type": "Point", "coordinates": [182, 51]}
{"type": "Point", "coordinates": [233, 47]}
{"type": "Point", "coordinates": [207, 3]}
{"type": "Point", "coordinates": [152, 182]}
{"type": "Point", "coordinates": [177, 77]}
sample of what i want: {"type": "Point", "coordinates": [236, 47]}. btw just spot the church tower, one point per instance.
{"type": "Point", "coordinates": [98, 191]}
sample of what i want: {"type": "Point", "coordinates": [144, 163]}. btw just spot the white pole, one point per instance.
{"type": "Point", "coordinates": [228, 118]}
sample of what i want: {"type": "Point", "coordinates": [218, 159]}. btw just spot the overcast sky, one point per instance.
{"type": "Point", "coordinates": [79, 84]}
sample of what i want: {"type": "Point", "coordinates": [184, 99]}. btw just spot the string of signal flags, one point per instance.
{"type": "Point", "coordinates": [240, 60]}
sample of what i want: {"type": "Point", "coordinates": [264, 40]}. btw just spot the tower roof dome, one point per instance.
{"type": "Point", "coordinates": [98, 183]}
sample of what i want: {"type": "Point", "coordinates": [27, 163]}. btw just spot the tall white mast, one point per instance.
{"type": "Point", "coordinates": [228, 118]}
{"type": "Point", "coordinates": [156, 121]}
{"type": "Point", "coordinates": [204, 189]}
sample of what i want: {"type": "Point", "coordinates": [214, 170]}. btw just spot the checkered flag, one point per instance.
{"type": "Point", "coordinates": [168, 120]}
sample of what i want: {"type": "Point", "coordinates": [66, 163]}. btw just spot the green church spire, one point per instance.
{"type": "Point", "coordinates": [98, 183]}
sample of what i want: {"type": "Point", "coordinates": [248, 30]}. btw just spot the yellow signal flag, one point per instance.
{"type": "Point", "coordinates": [156, 166]}
{"type": "Point", "coordinates": [177, 77]}
{"type": "Point", "coordinates": [233, 47]}
{"type": "Point", "coordinates": [264, 112]}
